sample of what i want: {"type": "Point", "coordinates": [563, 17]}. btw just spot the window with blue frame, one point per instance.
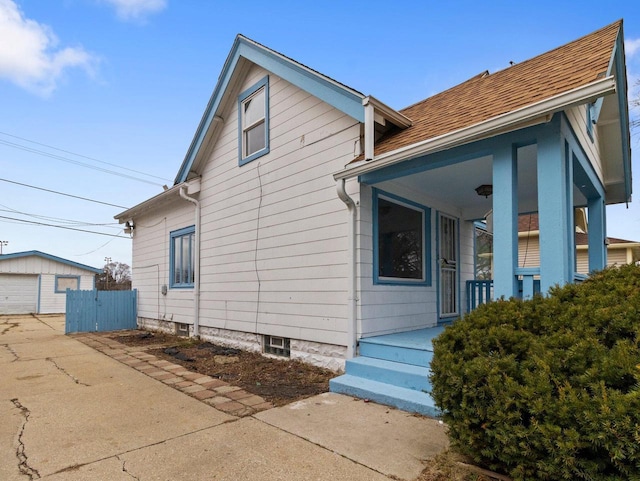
{"type": "Point", "coordinates": [253, 122]}
{"type": "Point", "coordinates": [182, 255]}
{"type": "Point", "coordinates": [401, 233]}
{"type": "Point", "coordinates": [62, 283]}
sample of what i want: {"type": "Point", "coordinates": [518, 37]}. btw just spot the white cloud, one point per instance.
{"type": "Point", "coordinates": [28, 54]}
{"type": "Point", "coordinates": [136, 9]}
{"type": "Point", "coordinates": [631, 47]}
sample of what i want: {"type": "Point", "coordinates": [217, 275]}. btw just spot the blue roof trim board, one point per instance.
{"type": "Point", "coordinates": [622, 92]}
{"type": "Point", "coordinates": [335, 94]}
{"type": "Point", "coordinates": [17, 255]}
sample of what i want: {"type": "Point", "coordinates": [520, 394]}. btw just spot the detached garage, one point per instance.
{"type": "Point", "coordinates": [37, 282]}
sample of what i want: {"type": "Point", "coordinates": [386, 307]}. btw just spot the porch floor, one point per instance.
{"type": "Point", "coordinates": [392, 369]}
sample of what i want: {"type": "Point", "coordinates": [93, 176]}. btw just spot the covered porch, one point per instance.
{"type": "Point", "coordinates": [542, 169]}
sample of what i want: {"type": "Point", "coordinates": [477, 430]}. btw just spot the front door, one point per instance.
{"type": "Point", "coordinates": [448, 267]}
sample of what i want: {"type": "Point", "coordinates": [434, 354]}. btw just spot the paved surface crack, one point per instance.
{"type": "Point", "coordinates": [124, 468]}
{"type": "Point", "coordinates": [10, 349]}
{"type": "Point", "coordinates": [9, 326]}
{"type": "Point", "coordinates": [23, 459]}
{"type": "Point", "coordinates": [38, 319]}
{"type": "Point", "coordinates": [65, 372]}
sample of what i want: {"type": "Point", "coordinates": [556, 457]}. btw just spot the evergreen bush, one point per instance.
{"type": "Point", "coordinates": [548, 389]}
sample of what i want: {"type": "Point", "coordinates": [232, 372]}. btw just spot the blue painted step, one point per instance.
{"type": "Point", "coordinates": [398, 374]}
{"type": "Point", "coordinates": [402, 398]}
{"type": "Point", "coordinates": [393, 369]}
{"type": "Point", "coordinates": [411, 347]}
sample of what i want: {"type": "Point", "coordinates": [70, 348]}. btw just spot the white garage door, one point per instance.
{"type": "Point", "coordinates": [18, 293]}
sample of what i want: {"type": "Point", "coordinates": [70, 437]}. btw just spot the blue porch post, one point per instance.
{"type": "Point", "coordinates": [597, 234]}
{"type": "Point", "coordinates": [555, 210]}
{"type": "Point", "coordinates": [505, 221]}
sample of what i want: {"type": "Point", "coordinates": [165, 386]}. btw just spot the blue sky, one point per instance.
{"type": "Point", "coordinates": [125, 82]}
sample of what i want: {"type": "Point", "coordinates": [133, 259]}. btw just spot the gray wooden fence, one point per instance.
{"type": "Point", "coordinates": [92, 311]}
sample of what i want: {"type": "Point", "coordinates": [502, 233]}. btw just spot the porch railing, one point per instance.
{"type": "Point", "coordinates": [481, 291]}
{"type": "Point", "coordinates": [478, 292]}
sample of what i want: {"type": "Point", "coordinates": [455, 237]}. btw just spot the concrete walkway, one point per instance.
{"type": "Point", "coordinates": [71, 412]}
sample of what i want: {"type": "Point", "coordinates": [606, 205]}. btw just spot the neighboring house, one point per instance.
{"type": "Point", "coordinates": [308, 217]}
{"type": "Point", "coordinates": [35, 282]}
{"type": "Point", "coordinates": [619, 251]}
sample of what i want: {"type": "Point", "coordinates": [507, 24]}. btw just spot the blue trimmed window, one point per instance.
{"type": "Point", "coordinates": [401, 241]}
{"type": "Point", "coordinates": [253, 122]}
{"type": "Point", "coordinates": [62, 283]}
{"type": "Point", "coordinates": [182, 255]}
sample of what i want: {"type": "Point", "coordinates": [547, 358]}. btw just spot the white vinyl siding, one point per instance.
{"type": "Point", "coordinates": [274, 232]}
{"type": "Point", "coordinates": [150, 267]}
{"type": "Point", "coordinates": [578, 120]}
{"type": "Point", "coordinates": [394, 308]}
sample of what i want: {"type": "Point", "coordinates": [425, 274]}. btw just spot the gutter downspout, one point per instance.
{"type": "Point", "coordinates": [352, 319]}
{"type": "Point", "coordinates": [196, 269]}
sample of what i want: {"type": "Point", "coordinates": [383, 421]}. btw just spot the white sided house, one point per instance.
{"type": "Point", "coordinates": [35, 282]}
{"type": "Point", "coordinates": [312, 221]}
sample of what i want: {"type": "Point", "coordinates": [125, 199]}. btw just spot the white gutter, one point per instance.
{"type": "Point", "coordinates": [352, 318]}
{"type": "Point", "coordinates": [493, 126]}
{"type": "Point", "coordinates": [196, 261]}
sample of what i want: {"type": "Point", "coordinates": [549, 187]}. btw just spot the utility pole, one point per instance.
{"type": "Point", "coordinates": [2, 243]}
{"type": "Point", "coordinates": [107, 261]}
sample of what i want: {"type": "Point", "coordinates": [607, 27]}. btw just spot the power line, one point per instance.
{"type": "Point", "coordinates": [83, 156]}
{"type": "Point", "coordinates": [76, 162]}
{"type": "Point", "coordinates": [62, 193]}
{"type": "Point", "coordinates": [58, 226]}
{"type": "Point", "coordinates": [62, 221]}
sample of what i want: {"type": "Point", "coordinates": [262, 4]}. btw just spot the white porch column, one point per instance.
{"type": "Point", "coordinates": [597, 234]}
{"type": "Point", "coordinates": [555, 206]}
{"type": "Point", "coordinates": [505, 222]}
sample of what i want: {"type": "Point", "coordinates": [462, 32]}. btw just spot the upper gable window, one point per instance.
{"type": "Point", "coordinates": [253, 121]}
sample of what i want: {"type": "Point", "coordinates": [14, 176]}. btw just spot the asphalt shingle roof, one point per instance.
{"type": "Point", "coordinates": [486, 95]}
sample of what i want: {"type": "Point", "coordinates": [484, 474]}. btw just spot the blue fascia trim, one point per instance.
{"type": "Point", "coordinates": [173, 235]}
{"type": "Point", "coordinates": [264, 82]}
{"type": "Point", "coordinates": [340, 98]}
{"type": "Point", "coordinates": [39, 293]}
{"type": "Point", "coordinates": [480, 148]}
{"type": "Point", "coordinates": [336, 96]}
{"type": "Point", "coordinates": [623, 109]}
{"type": "Point", "coordinates": [426, 255]}
{"type": "Point", "coordinates": [62, 276]}
{"type": "Point", "coordinates": [585, 177]}
{"type": "Point", "coordinates": [17, 255]}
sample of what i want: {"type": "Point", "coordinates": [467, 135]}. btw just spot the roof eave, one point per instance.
{"type": "Point", "coordinates": [149, 204]}
{"type": "Point", "coordinates": [387, 112]}
{"type": "Point", "coordinates": [44, 255]}
{"type": "Point", "coordinates": [528, 115]}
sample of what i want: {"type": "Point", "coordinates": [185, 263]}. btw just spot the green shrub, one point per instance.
{"type": "Point", "coordinates": [548, 389]}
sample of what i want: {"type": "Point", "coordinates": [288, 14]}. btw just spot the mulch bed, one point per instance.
{"type": "Point", "coordinates": [277, 381]}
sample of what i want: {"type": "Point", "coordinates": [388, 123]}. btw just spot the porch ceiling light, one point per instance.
{"type": "Point", "coordinates": [485, 189]}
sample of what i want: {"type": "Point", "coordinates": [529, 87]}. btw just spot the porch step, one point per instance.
{"type": "Point", "coordinates": [412, 347]}
{"type": "Point", "coordinates": [392, 369]}
{"type": "Point", "coordinates": [402, 398]}
{"type": "Point", "coordinates": [390, 372]}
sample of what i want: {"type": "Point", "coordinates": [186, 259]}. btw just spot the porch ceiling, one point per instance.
{"type": "Point", "coordinates": [454, 185]}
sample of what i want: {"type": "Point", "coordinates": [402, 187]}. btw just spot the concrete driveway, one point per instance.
{"type": "Point", "coordinates": [70, 412]}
